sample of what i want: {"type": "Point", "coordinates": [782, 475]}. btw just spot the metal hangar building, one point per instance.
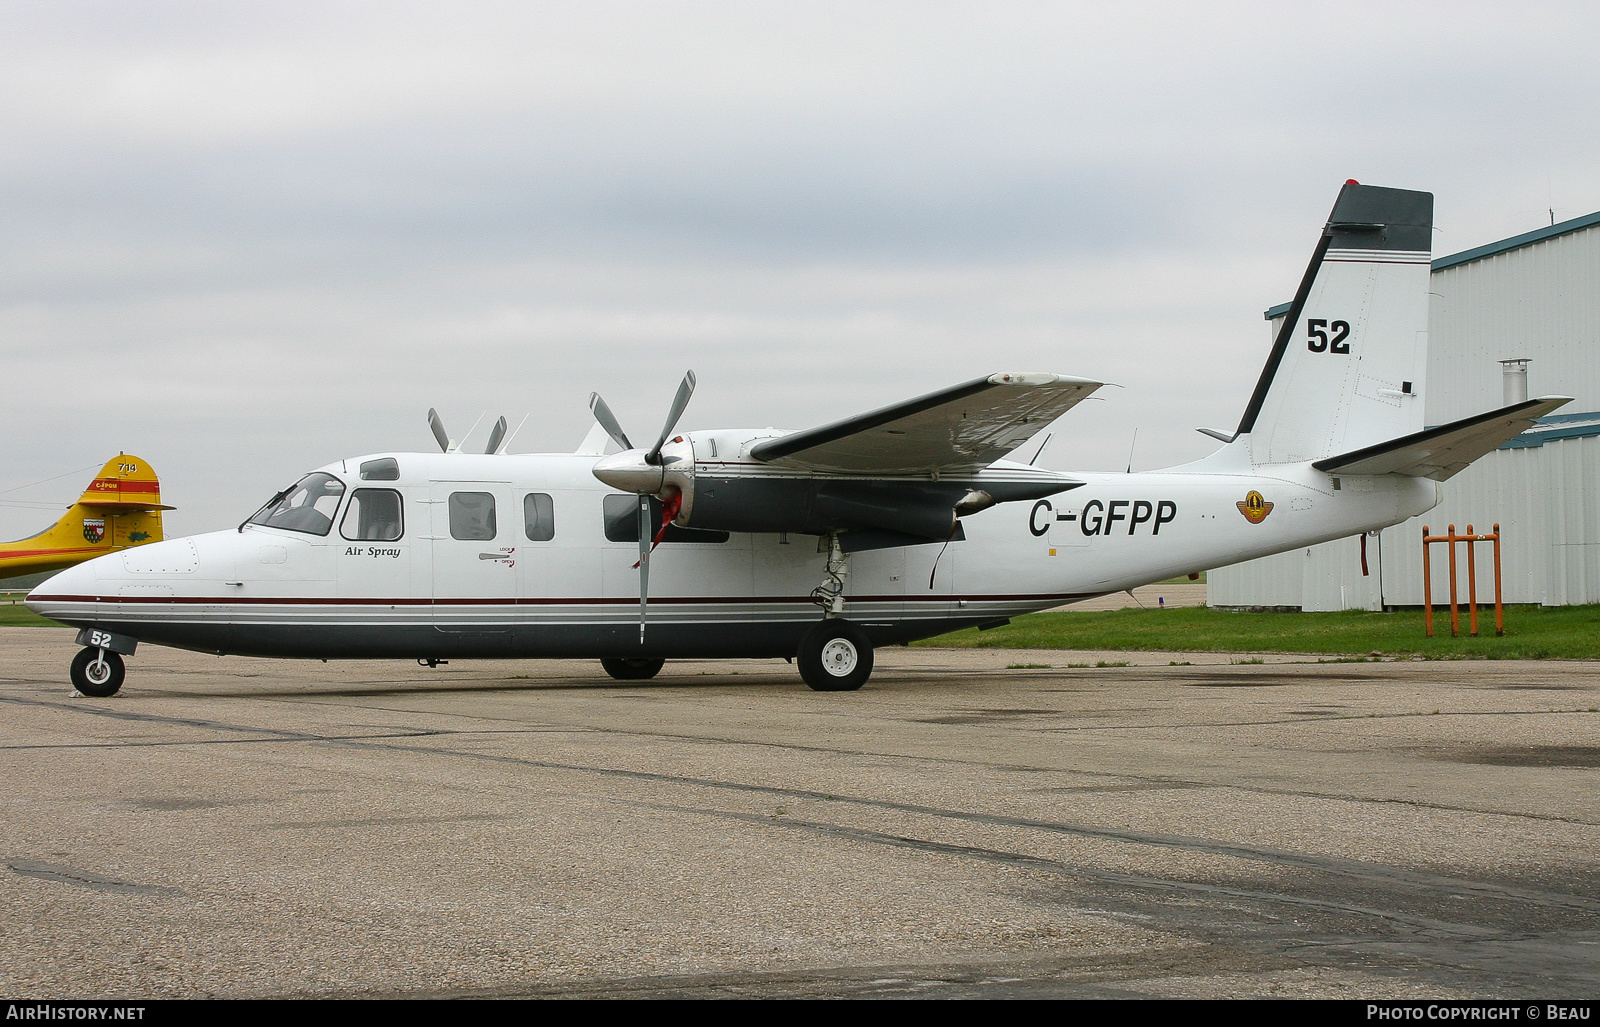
{"type": "Point", "coordinates": [1515, 318]}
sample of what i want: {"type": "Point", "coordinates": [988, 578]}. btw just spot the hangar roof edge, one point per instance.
{"type": "Point", "coordinates": [1516, 242]}
{"type": "Point", "coordinates": [1556, 426]}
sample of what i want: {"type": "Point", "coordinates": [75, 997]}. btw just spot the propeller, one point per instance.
{"type": "Point", "coordinates": [608, 421]}
{"type": "Point", "coordinates": [679, 403]}
{"type": "Point", "coordinates": [449, 445]}
{"type": "Point", "coordinates": [446, 443]}
{"type": "Point", "coordinates": [495, 436]}
{"type": "Point", "coordinates": [643, 474]}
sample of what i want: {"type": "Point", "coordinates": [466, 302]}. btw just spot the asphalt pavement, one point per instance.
{"type": "Point", "coordinates": [972, 823]}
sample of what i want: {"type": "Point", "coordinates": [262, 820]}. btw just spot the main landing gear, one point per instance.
{"type": "Point", "coordinates": [835, 656]}
{"type": "Point", "coordinates": [98, 672]}
{"type": "Point", "coordinates": [632, 668]}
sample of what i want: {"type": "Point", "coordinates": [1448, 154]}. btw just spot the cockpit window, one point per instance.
{"type": "Point", "coordinates": [385, 468]}
{"type": "Point", "coordinates": [374, 515]}
{"type": "Point", "coordinates": [308, 505]}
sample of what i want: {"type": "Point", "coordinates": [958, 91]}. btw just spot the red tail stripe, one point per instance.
{"type": "Point", "coordinates": [146, 488]}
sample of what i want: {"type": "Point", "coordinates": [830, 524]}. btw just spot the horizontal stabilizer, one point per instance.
{"type": "Point", "coordinates": [1442, 452]}
{"type": "Point", "coordinates": [963, 428]}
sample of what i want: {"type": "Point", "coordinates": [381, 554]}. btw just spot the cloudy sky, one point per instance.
{"type": "Point", "coordinates": [241, 241]}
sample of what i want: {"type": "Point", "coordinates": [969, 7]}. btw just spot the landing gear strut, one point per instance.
{"type": "Point", "coordinates": [830, 594]}
{"type": "Point", "coordinates": [835, 656]}
{"type": "Point", "coordinates": [98, 672]}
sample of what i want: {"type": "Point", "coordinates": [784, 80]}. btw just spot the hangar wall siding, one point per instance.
{"type": "Point", "coordinates": [1535, 296]}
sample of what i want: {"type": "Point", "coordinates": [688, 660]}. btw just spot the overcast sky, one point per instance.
{"type": "Point", "coordinates": [244, 240]}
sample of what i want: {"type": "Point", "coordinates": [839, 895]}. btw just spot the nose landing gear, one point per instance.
{"type": "Point", "coordinates": [98, 672]}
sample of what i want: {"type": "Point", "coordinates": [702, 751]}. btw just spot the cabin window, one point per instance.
{"type": "Point", "coordinates": [472, 516]}
{"type": "Point", "coordinates": [374, 515]}
{"type": "Point", "coordinates": [308, 505]}
{"type": "Point", "coordinates": [539, 517]}
{"type": "Point", "coordinates": [621, 515]}
{"type": "Point", "coordinates": [383, 469]}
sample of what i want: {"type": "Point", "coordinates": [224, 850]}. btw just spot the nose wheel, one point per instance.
{"type": "Point", "coordinates": [98, 672]}
{"type": "Point", "coordinates": [835, 656]}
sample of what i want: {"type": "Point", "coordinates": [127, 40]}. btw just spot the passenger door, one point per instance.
{"type": "Point", "coordinates": [475, 545]}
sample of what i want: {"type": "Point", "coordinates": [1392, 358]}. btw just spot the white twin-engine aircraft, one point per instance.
{"type": "Point", "coordinates": [815, 545]}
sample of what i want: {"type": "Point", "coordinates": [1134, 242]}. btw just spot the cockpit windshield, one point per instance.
{"type": "Point", "coordinates": [308, 505]}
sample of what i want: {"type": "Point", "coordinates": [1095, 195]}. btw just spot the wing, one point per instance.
{"type": "Point", "coordinates": [1440, 453]}
{"type": "Point", "coordinates": [963, 428]}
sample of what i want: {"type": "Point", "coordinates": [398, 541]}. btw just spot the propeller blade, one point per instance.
{"type": "Point", "coordinates": [439, 433]}
{"type": "Point", "coordinates": [644, 561]}
{"type": "Point", "coordinates": [497, 434]}
{"type": "Point", "coordinates": [685, 390]}
{"type": "Point", "coordinates": [602, 413]}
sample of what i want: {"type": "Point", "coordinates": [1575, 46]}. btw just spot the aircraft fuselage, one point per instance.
{"type": "Point", "coordinates": [538, 575]}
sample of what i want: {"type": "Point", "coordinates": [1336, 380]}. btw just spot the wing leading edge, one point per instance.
{"type": "Point", "coordinates": [960, 429]}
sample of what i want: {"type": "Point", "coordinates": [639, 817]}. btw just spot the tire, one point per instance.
{"type": "Point", "coordinates": [835, 656]}
{"type": "Point", "coordinates": [97, 677]}
{"type": "Point", "coordinates": [632, 668]}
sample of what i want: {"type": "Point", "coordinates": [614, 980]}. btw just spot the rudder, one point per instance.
{"type": "Point", "coordinates": [1348, 363]}
{"type": "Point", "coordinates": [125, 498]}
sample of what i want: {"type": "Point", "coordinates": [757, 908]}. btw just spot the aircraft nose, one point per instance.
{"type": "Point", "coordinates": [76, 581]}
{"type": "Point", "coordinates": [628, 471]}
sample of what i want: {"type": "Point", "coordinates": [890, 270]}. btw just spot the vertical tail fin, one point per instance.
{"type": "Point", "coordinates": [1348, 363]}
{"type": "Point", "coordinates": [123, 503]}
{"type": "Point", "coordinates": [120, 508]}
{"type": "Point", "coordinates": [124, 481]}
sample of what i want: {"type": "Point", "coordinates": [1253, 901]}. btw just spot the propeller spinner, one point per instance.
{"type": "Point", "coordinates": [642, 472]}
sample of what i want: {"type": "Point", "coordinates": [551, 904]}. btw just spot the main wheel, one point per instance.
{"type": "Point", "coordinates": [632, 668]}
{"type": "Point", "coordinates": [835, 656]}
{"type": "Point", "coordinates": [98, 672]}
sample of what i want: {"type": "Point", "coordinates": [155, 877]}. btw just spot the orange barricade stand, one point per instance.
{"type": "Point", "coordinates": [1450, 540]}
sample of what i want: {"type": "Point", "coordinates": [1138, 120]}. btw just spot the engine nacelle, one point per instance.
{"type": "Point", "coordinates": [722, 489]}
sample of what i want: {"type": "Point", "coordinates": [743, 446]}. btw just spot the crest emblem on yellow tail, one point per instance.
{"type": "Point", "coordinates": [1254, 508]}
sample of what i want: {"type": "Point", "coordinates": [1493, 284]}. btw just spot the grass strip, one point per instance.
{"type": "Point", "coordinates": [1532, 633]}
{"type": "Point", "coordinates": [20, 616]}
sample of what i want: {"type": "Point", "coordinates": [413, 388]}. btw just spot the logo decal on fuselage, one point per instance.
{"type": "Point", "coordinates": [94, 529]}
{"type": "Point", "coordinates": [1254, 508]}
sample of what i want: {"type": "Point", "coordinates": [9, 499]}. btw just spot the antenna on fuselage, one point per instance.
{"type": "Point", "coordinates": [470, 430]}
{"type": "Point", "coordinates": [518, 428]}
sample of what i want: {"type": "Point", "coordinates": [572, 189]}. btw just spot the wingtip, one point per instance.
{"type": "Point", "coordinates": [1037, 378]}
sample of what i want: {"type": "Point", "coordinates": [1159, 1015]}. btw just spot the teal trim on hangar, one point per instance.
{"type": "Point", "coordinates": [1556, 426]}
{"type": "Point", "coordinates": [1553, 428]}
{"type": "Point", "coordinates": [1516, 242]}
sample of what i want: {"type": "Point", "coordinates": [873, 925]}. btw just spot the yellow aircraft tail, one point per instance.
{"type": "Point", "coordinates": [121, 508]}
